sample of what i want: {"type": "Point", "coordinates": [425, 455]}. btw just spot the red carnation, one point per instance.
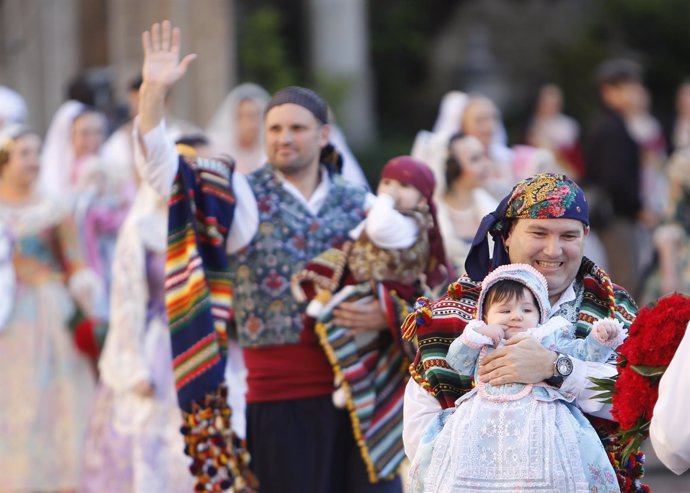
{"type": "Point", "coordinates": [634, 398]}
{"type": "Point", "coordinates": [657, 331]}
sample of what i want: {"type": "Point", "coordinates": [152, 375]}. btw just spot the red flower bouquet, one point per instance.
{"type": "Point", "coordinates": [643, 358]}
{"type": "Point", "coordinates": [652, 341]}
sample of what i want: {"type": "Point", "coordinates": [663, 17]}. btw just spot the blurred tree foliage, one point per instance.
{"type": "Point", "coordinates": [267, 47]}
{"type": "Point", "coordinates": [402, 35]}
{"type": "Point", "coordinates": [274, 47]}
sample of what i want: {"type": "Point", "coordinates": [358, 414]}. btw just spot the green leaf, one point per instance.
{"type": "Point", "coordinates": [606, 384]}
{"type": "Point", "coordinates": [649, 371]}
{"type": "Point", "coordinates": [632, 438]}
{"type": "Point", "coordinates": [605, 388]}
{"type": "Point", "coordinates": [605, 397]}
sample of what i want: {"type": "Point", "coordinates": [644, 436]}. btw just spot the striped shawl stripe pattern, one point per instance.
{"type": "Point", "coordinates": [374, 376]}
{"type": "Point", "coordinates": [198, 295]}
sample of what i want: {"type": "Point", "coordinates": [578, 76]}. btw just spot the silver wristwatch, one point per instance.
{"type": "Point", "coordinates": [562, 367]}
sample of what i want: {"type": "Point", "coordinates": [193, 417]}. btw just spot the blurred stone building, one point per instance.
{"type": "Point", "coordinates": [45, 44]}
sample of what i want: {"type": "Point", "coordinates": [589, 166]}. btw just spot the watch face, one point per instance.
{"type": "Point", "coordinates": [564, 366]}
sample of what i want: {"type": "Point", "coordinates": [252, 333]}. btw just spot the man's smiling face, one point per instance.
{"type": "Point", "coordinates": [552, 246]}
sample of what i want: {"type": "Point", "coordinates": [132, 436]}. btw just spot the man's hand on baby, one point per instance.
{"type": "Point", "coordinates": [495, 332]}
{"type": "Point", "coordinates": [360, 317]}
{"type": "Point", "coordinates": [521, 360]}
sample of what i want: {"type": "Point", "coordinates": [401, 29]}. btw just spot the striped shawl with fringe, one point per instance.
{"type": "Point", "coordinates": [198, 302]}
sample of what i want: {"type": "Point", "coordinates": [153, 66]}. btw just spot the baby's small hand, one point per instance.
{"type": "Point", "coordinates": [605, 330]}
{"type": "Point", "coordinates": [493, 331]}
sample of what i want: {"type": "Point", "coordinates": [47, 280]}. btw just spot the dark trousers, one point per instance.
{"type": "Point", "coordinates": [307, 446]}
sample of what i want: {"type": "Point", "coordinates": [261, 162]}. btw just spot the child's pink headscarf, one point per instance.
{"type": "Point", "coordinates": [410, 171]}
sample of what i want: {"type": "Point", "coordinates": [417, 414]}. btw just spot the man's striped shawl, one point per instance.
{"type": "Point", "coordinates": [438, 324]}
{"type": "Point", "coordinates": [197, 285]}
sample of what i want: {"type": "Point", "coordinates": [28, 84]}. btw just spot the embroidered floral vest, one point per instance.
{"type": "Point", "coordinates": [288, 236]}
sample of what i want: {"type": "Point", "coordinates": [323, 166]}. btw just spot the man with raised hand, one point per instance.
{"type": "Point", "coordinates": [285, 214]}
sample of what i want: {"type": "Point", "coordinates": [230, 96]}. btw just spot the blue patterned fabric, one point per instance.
{"type": "Point", "coordinates": [288, 236]}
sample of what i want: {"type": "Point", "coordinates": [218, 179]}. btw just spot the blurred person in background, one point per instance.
{"type": "Point", "coordinates": [481, 119]}
{"type": "Point", "coordinates": [680, 134]}
{"type": "Point", "coordinates": [236, 127]}
{"type": "Point", "coordinates": [613, 168]}
{"type": "Point", "coordinates": [551, 129]}
{"type": "Point", "coordinates": [75, 135]}
{"type": "Point", "coordinates": [473, 115]}
{"type": "Point", "coordinates": [465, 200]}
{"type": "Point", "coordinates": [649, 135]}
{"type": "Point", "coordinates": [73, 169]}
{"type": "Point", "coordinates": [671, 271]}
{"type": "Point", "coordinates": [47, 382]}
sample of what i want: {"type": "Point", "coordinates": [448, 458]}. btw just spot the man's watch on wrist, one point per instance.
{"type": "Point", "coordinates": [562, 368]}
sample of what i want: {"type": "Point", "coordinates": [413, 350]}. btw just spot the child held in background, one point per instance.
{"type": "Point", "coordinates": [398, 245]}
{"type": "Point", "coordinates": [519, 437]}
{"type": "Point", "coordinates": [397, 248]}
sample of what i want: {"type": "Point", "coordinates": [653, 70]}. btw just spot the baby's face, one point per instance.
{"type": "Point", "coordinates": [406, 196]}
{"type": "Point", "coordinates": [515, 314]}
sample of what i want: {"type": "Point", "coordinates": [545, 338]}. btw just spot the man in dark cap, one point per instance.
{"type": "Point", "coordinates": [272, 222]}
{"type": "Point", "coordinates": [542, 222]}
{"type": "Point", "coordinates": [613, 169]}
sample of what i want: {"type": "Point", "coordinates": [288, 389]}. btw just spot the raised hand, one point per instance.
{"type": "Point", "coordinates": [162, 63]}
{"type": "Point", "coordinates": [162, 68]}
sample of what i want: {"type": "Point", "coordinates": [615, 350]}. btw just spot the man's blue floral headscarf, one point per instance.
{"type": "Point", "coordinates": [542, 196]}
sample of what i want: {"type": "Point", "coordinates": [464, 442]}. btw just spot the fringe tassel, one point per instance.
{"type": "Point", "coordinates": [320, 330]}
{"type": "Point", "coordinates": [220, 460]}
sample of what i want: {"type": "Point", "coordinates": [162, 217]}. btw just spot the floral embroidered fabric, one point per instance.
{"type": "Point", "coordinates": [288, 236]}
